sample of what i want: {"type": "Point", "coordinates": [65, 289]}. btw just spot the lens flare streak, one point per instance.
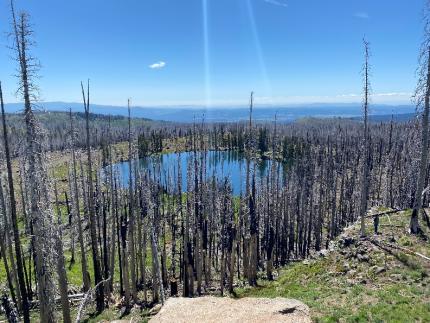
{"type": "Point", "coordinates": [260, 56]}
{"type": "Point", "coordinates": [207, 71]}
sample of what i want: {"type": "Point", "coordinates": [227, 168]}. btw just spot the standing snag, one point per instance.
{"type": "Point", "coordinates": [44, 235]}
{"type": "Point", "coordinates": [422, 97]}
{"type": "Point", "coordinates": [366, 140]}
{"type": "Point", "coordinates": [23, 295]}
{"type": "Point", "coordinates": [91, 205]}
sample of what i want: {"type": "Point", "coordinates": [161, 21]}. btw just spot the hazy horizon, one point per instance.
{"type": "Point", "coordinates": [228, 113]}
{"type": "Point", "coordinates": [225, 105]}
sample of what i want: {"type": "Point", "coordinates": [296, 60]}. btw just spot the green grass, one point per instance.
{"type": "Point", "coordinates": [107, 315]}
{"type": "Point", "coordinates": [111, 314]}
{"type": "Point", "coordinates": [332, 297]}
{"type": "Point", "coordinates": [332, 300]}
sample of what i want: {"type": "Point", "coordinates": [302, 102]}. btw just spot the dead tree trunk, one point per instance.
{"type": "Point", "coordinates": [131, 241]}
{"type": "Point", "coordinates": [61, 269]}
{"type": "Point", "coordinates": [77, 210]}
{"type": "Point", "coordinates": [19, 259]}
{"type": "Point", "coordinates": [414, 225]}
{"type": "Point", "coordinates": [36, 177]}
{"type": "Point", "coordinates": [93, 229]}
{"type": "Point", "coordinates": [4, 240]}
{"type": "Point", "coordinates": [366, 142]}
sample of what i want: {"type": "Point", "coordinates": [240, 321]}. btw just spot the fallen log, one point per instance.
{"type": "Point", "coordinates": [72, 298]}
{"type": "Point", "coordinates": [87, 298]}
{"type": "Point", "coordinates": [383, 213]}
{"type": "Point", "coordinates": [384, 245]}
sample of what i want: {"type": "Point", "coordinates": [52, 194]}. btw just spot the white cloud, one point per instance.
{"type": "Point", "coordinates": [395, 94]}
{"type": "Point", "coordinates": [350, 95]}
{"type": "Point", "coordinates": [383, 98]}
{"type": "Point", "coordinates": [281, 3]}
{"type": "Point", "coordinates": [362, 15]}
{"type": "Point", "coordinates": [158, 65]}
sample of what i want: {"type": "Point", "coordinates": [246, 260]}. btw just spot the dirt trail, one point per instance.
{"type": "Point", "coordinates": [217, 309]}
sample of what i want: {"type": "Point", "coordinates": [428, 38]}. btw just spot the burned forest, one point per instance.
{"type": "Point", "coordinates": [101, 212]}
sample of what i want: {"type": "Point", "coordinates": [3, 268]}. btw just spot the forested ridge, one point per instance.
{"type": "Point", "coordinates": [56, 126]}
{"type": "Point", "coordinates": [77, 241]}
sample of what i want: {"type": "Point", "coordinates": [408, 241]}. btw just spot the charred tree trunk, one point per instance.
{"type": "Point", "coordinates": [91, 206]}
{"type": "Point", "coordinates": [84, 267]}
{"type": "Point", "coordinates": [19, 259]}
{"type": "Point", "coordinates": [36, 178]}
{"type": "Point", "coordinates": [366, 142]}
{"type": "Point", "coordinates": [414, 225]}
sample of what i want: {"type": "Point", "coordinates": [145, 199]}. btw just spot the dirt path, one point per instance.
{"type": "Point", "coordinates": [218, 309]}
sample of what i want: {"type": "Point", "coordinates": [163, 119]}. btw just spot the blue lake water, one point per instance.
{"type": "Point", "coordinates": [220, 164]}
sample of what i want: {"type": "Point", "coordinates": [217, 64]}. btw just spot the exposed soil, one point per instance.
{"type": "Point", "coordinates": [223, 309]}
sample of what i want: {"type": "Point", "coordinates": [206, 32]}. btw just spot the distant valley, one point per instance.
{"type": "Point", "coordinates": [187, 114]}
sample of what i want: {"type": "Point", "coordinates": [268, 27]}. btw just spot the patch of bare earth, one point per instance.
{"type": "Point", "coordinates": [223, 309]}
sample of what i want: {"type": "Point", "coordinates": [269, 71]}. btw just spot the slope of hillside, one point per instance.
{"type": "Point", "coordinates": [382, 278]}
{"type": "Point", "coordinates": [57, 128]}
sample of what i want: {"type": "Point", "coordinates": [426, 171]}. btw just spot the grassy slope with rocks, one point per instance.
{"type": "Point", "coordinates": [358, 281]}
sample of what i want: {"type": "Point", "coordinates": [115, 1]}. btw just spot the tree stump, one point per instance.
{"type": "Point", "coordinates": [173, 287]}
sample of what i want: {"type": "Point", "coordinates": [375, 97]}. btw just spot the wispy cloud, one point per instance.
{"type": "Point", "coordinates": [353, 99]}
{"type": "Point", "coordinates": [281, 3]}
{"type": "Point", "coordinates": [362, 15]}
{"type": "Point", "coordinates": [408, 94]}
{"type": "Point", "coordinates": [385, 97]}
{"type": "Point", "coordinates": [158, 65]}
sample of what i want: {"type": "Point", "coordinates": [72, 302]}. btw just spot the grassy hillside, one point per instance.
{"type": "Point", "coordinates": [361, 280]}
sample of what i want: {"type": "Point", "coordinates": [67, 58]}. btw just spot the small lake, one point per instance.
{"type": "Point", "coordinates": [221, 164]}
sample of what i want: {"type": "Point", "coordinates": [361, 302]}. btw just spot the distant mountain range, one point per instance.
{"type": "Point", "coordinates": [232, 114]}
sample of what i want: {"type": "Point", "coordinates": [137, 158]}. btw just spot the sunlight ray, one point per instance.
{"type": "Point", "coordinates": [257, 44]}
{"type": "Point", "coordinates": [208, 92]}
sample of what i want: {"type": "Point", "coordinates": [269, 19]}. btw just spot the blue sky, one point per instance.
{"type": "Point", "coordinates": [214, 52]}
